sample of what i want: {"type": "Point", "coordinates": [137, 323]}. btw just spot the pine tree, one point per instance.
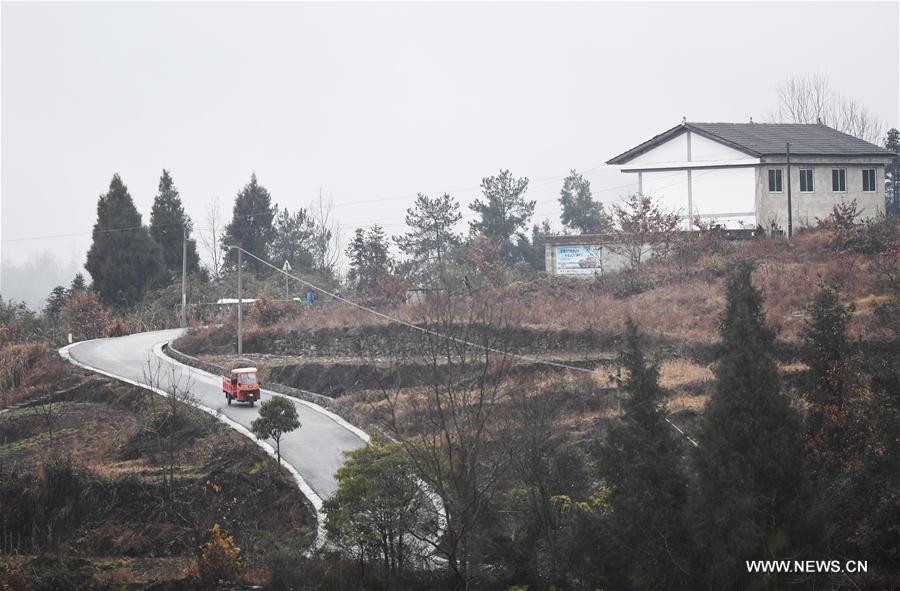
{"type": "Point", "coordinates": [641, 462]}
{"type": "Point", "coordinates": [251, 226]}
{"type": "Point", "coordinates": [370, 259]}
{"type": "Point", "coordinates": [55, 302]}
{"type": "Point", "coordinates": [579, 210]}
{"type": "Point", "coordinates": [124, 261]}
{"type": "Point", "coordinates": [294, 240]}
{"type": "Point", "coordinates": [830, 384]}
{"type": "Point", "coordinates": [504, 211]}
{"type": "Point", "coordinates": [431, 235]}
{"type": "Point", "coordinates": [78, 284]}
{"type": "Point", "coordinates": [167, 226]}
{"type": "Point", "coordinates": [749, 463]}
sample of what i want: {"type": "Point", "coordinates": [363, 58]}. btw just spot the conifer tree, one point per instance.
{"type": "Point", "coordinates": [252, 226]}
{"type": "Point", "coordinates": [78, 284]}
{"type": "Point", "coordinates": [167, 224]}
{"type": "Point", "coordinates": [370, 259]}
{"type": "Point", "coordinates": [750, 469]}
{"type": "Point", "coordinates": [830, 383]}
{"type": "Point", "coordinates": [124, 261]}
{"type": "Point", "coordinates": [431, 235]}
{"type": "Point", "coordinates": [55, 302]}
{"type": "Point", "coordinates": [504, 211]}
{"type": "Point", "coordinates": [293, 240]}
{"type": "Point", "coordinates": [641, 462]}
{"type": "Point", "coordinates": [579, 210]}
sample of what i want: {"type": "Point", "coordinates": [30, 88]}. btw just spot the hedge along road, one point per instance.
{"type": "Point", "coordinates": [313, 452]}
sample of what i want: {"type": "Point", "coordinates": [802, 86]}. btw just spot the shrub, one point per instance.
{"type": "Point", "coordinates": [116, 328]}
{"type": "Point", "coordinates": [267, 312]}
{"type": "Point", "coordinates": [84, 315]}
{"type": "Point", "coordinates": [220, 560]}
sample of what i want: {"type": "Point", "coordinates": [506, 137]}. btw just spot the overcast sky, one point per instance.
{"type": "Point", "coordinates": [375, 102]}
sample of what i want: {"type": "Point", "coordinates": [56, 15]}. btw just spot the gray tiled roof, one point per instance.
{"type": "Point", "coordinates": [807, 139]}
{"type": "Point", "coordinates": [768, 139]}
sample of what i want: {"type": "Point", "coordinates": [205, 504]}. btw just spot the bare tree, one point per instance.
{"type": "Point", "coordinates": [210, 238]}
{"type": "Point", "coordinates": [327, 235]}
{"type": "Point", "coordinates": [643, 228]}
{"type": "Point", "coordinates": [172, 382]}
{"type": "Point", "coordinates": [810, 99]}
{"type": "Point", "coordinates": [450, 426]}
{"type": "Point", "coordinates": [45, 410]}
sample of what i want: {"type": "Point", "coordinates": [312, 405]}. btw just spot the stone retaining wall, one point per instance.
{"type": "Point", "coordinates": [177, 355]}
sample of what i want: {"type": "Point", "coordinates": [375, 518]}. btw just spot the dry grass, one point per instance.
{"type": "Point", "coordinates": [680, 372]}
{"type": "Point", "coordinates": [677, 306]}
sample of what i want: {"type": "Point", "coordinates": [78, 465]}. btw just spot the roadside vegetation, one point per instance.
{"type": "Point", "coordinates": [716, 401]}
{"type": "Point", "coordinates": [777, 358]}
{"type": "Point", "coordinates": [105, 486]}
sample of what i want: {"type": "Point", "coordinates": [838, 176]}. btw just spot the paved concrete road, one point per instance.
{"type": "Point", "coordinates": [315, 450]}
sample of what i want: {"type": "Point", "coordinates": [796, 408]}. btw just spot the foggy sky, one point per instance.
{"type": "Point", "coordinates": [376, 102]}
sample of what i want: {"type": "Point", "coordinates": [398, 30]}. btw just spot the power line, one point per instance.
{"type": "Point", "coordinates": [428, 331]}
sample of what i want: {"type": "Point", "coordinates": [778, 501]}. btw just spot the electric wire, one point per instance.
{"type": "Point", "coordinates": [422, 329]}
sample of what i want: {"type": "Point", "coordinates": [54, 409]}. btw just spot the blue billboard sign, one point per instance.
{"type": "Point", "coordinates": [578, 260]}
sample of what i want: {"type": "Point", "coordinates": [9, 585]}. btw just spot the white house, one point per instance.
{"type": "Point", "coordinates": [738, 174]}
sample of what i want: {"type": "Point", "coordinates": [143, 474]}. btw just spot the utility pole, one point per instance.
{"type": "Point", "coordinates": [286, 267]}
{"type": "Point", "coordinates": [790, 207]}
{"type": "Point", "coordinates": [240, 305]}
{"type": "Point", "coordinates": [184, 276]}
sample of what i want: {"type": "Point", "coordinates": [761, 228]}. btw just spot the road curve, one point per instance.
{"type": "Point", "coordinates": [315, 450]}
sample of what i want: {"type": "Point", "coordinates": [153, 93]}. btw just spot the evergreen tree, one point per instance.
{"type": "Point", "coordinates": [504, 211]}
{"type": "Point", "coordinates": [167, 226]}
{"type": "Point", "coordinates": [293, 240]}
{"type": "Point", "coordinates": [431, 234]}
{"type": "Point", "coordinates": [78, 284]}
{"type": "Point", "coordinates": [370, 259]}
{"type": "Point", "coordinates": [251, 226]}
{"type": "Point", "coordinates": [55, 302]}
{"type": "Point", "coordinates": [830, 383]}
{"type": "Point", "coordinates": [751, 486]}
{"type": "Point", "coordinates": [641, 462]}
{"type": "Point", "coordinates": [124, 260]}
{"type": "Point", "coordinates": [892, 184]}
{"type": "Point", "coordinates": [579, 210]}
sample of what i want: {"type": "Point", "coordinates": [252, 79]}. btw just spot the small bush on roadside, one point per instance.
{"type": "Point", "coordinates": [220, 560]}
{"type": "Point", "coordinates": [84, 315]}
{"type": "Point", "coordinates": [116, 328]}
{"type": "Point", "coordinates": [267, 312]}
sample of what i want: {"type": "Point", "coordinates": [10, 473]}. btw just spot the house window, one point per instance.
{"type": "Point", "coordinates": [775, 180]}
{"type": "Point", "coordinates": [869, 180]}
{"type": "Point", "coordinates": [806, 180]}
{"type": "Point", "coordinates": [838, 180]}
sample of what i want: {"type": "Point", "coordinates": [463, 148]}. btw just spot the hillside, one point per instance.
{"type": "Point", "coordinates": [343, 351]}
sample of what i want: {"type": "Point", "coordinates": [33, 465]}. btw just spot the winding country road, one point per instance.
{"type": "Point", "coordinates": [315, 451]}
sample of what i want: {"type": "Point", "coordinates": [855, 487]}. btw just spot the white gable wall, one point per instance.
{"type": "Point", "coordinates": [674, 150]}
{"type": "Point", "coordinates": [706, 149]}
{"type": "Point", "coordinates": [721, 191]}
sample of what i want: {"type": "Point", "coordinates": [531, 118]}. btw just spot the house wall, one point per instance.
{"type": "Point", "coordinates": [703, 148]}
{"type": "Point", "coordinates": [674, 150]}
{"type": "Point", "coordinates": [669, 188]}
{"type": "Point", "coordinates": [807, 207]}
{"type": "Point", "coordinates": [725, 195]}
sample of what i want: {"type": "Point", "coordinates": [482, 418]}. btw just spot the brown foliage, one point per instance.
{"type": "Point", "coordinates": [220, 560]}
{"type": "Point", "coordinates": [84, 315]}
